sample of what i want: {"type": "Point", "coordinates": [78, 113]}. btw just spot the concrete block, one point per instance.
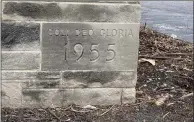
{"type": "Point", "coordinates": [34, 98]}
{"type": "Point", "coordinates": [20, 36]}
{"type": "Point", "coordinates": [41, 84]}
{"type": "Point", "coordinates": [11, 94]}
{"type": "Point", "coordinates": [20, 61]}
{"type": "Point", "coordinates": [71, 12]}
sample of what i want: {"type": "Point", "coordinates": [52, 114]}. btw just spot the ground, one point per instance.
{"type": "Point", "coordinates": [164, 89]}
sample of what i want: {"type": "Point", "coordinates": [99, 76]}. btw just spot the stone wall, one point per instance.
{"type": "Point", "coordinates": [31, 79]}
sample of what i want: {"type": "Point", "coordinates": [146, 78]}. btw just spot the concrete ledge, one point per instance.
{"type": "Point", "coordinates": [72, 79]}
{"type": "Point", "coordinates": [71, 12]}
{"type": "Point", "coordinates": [30, 75]}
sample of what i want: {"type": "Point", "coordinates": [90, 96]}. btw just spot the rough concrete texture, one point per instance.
{"type": "Point", "coordinates": [41, 84]}
{"type": "Point", "coordinates": [20, 61]}
{"type": "Point", "coordinates": [87, 96]}
{"type": "Point", "coordinates": [20, 36]}
{"type": "Point", "coordinates": [71, 12]}
{"type": "Point", "coordinates": [42, 98]}
{"type": "Point", "coordinates": [128, 95]}
{"type": "Point", "coordinates": [14, 96]}
{"type": "Point", "coordinates": [96, 96]}
{"type": "Point", "coordinates": [107, 79]}
{"type": "Point", "coordinates": [72, 79]}
{"type": "Point", "coordinates": [11, 94]}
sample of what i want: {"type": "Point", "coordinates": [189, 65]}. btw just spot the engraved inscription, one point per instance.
{"type": "Point", "coordinates": [110, 50]}
{"type": "Point", "coordinates": [58, 32]}
{"type": "Point", "coordinates": [78, 48]}
{"type": "Point", "coordinates": [84, 32]}
{"type": "Point", "coordinates": [82, 46]}
{"type": "Point", "coordinates": [95, 50]}
{"type": "Point", "coordinates": [116, 32]}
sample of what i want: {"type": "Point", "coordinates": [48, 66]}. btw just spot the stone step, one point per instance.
{"type": "Point", "coordinates": [20, 98]}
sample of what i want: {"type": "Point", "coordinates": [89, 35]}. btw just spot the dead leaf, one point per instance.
{"type": "Point", "coordinates": [162, 99]}
{"type": "Point", "coordinates": [90, 107]}
{"type": "Point", "coordinates": [151, 61]}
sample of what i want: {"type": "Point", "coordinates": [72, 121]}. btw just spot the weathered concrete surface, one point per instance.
{"type": "Point", "coordinates": [99, 79]}
{"type": "Point", "coordinates": [41, 84]}
{"type": "Point", "coordinates": [72, 79]}
{"type": "Point", "coordinates": [128, 95]}
{"type": "Point", "coordinates": [42, 98]}
{"type": "Point", "coordinates": [87, 96]}
{"type": "Point", "coordinates": [20, 36]}
{"type": "Point", "coordinates": [96, 96]}
{"type": "Point", "coordinates": [19, 61]}
{"type": "Point", "coordinates": [71, 12]}
{"type": "Point", "coordinates": [11, 94]}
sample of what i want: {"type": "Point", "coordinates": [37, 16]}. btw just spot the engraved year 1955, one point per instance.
{"type": "Point", "coordinates": [79, 48]}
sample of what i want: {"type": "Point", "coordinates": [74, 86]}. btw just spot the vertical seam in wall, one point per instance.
{"type": "Point", "coordinates": [61, 90]}
{"type": "Point", "coordinates": [121, 97]}
{"type": "Point", "coordinates": [20, 83]}
{"type": "Point", "coordinates": [0, 58]}
{"type": "Point", "coordinates": [61, 80]}
{"type": "Point", "coordinates": [40, 46]}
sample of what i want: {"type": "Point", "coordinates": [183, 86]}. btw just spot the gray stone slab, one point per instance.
{"type": "Point", "coordinates": [30, 75]}
{"type": "Point", "coordinates": [71, 12]}
{"type": "Point", "coordinates": [20, 61]}
{"type": "Point", "coordinates": [99, 79]}
{"type": "Point", "coordinates": [33, 98]}
{"type": "Point", "coordinates": [20, 36]}
{"type": "Point", "coordinates": [90, 46]}
{"type": "Point", "coordinates": [11, 95]}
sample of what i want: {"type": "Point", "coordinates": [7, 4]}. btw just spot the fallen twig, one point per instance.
{"type": "Point", "coordinates": [72, 109]}
{"type": "Point", "coordinates": [165, 115]}
{"type": "Point", "coordinates": [54, 115]}
{"type": "Point", "coordinates": [107, 111]}
{"type": "Point", "coordinates": [187, 95]}
{"type": "Point", "coordinates": [69, 107]}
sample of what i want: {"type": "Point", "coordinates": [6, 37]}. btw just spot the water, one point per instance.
{"type": "Point", "coordinates": [174, 18]}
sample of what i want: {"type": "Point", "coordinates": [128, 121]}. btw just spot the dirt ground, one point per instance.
{"type": "Point", "coordinates": [164, 89]}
